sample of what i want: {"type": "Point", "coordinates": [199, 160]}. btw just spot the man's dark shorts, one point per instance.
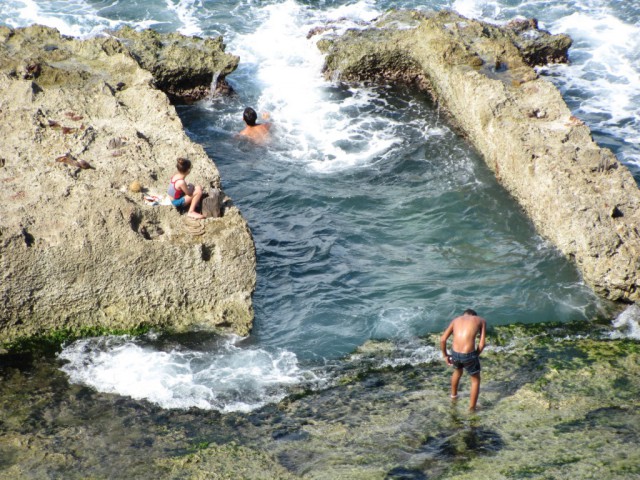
{"type": "Point", "coordinates": [469, 361]}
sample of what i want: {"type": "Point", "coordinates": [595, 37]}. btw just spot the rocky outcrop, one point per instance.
{"type": "Point", "coordinates": [185, 68]}
{"type": "Point", "coordinates": [577, 194]}
{"type": "Point", "coordinates": [80, 122]}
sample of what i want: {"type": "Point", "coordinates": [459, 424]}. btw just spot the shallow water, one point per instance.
{"type": "Point", "coordinates": [557, 401]}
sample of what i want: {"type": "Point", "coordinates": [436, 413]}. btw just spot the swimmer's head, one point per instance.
{"type": "Point", "coordinates": [250, 116]}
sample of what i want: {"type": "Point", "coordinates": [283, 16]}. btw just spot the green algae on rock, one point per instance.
{"type": "Point", "coordinates": [223, 462]}
{"type": "Point", "coordinates": [577, 194]}
{"type": "Point", "coordinates": [537, 402]}
{"type": "Point", "coordinates": [563, 404]}
{"type": "Point", "coordinates": [185, 68]}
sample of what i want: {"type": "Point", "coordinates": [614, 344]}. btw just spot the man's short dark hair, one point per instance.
{"type": "Point", "coordinates": [469, 311]}
{"type": "Point", "coordinates": [250, 116]}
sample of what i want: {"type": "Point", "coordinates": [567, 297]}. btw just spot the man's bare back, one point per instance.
{"type": "Point", "coordinates": [465, 329]}
{"type": "Point", "coordinates": [464, 353]}
{"type": "Point", "coordinates": [256, 132]}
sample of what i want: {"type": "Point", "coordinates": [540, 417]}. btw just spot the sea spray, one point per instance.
{"type": "Point", "coordinates": [315, 122]}
{"type": "Point", "coordinates": [627, 324]}
{"type": "Point", "coordinates": [227, 378]}
{"type": "Point", "coordinates": [187, 13]}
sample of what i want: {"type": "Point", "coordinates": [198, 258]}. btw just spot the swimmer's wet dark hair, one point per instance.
{"type": "Point", "coordinates": [469, 311]}
{"type": "Point", "coordinates": [183, 165]}
{"type": "Point", "coordinates": [250, 116]}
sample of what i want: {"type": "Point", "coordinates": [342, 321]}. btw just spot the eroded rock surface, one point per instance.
{"type": "Point", "coordinates": [80, 122]}
{"type": "Point", "coordinates": [185, 68]}
{"type": "Point", "coordinates": [577, 194]}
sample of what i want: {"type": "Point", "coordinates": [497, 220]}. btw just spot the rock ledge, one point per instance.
{"type": "Point", "coordinates": [79, 249]}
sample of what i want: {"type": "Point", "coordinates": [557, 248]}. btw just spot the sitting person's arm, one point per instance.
{"type": "Point", "coordinates": [187, 189]}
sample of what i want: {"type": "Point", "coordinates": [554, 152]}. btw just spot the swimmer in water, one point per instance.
{"type": "Point", "coordinates": [256, 132]}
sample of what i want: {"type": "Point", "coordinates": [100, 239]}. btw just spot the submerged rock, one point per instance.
{"type": "Point", "coordinates": [577, 194]}
{"type": "Point", "coordinates": [79, 248]}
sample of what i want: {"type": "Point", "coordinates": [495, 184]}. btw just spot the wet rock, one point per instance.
{"type": "Point", "coordinates": [185, 68]}
{"type": "Point", "coordinates": [553, 398]}
{"type": "Point", "coordinates": [482, 76]}
{"type": "Point", "coordinates": [78, 249]}
{"type": "Point", "coordinates": [538, 47]}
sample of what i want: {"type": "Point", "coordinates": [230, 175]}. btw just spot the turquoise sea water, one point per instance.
{"type": "Point", "coordinates": [372, 218]}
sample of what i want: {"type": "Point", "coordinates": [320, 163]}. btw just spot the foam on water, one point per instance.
{"type": "Point", "coordinates": [485, 9]}
{"type": "Point", "coordinates": [414, 354]}
{"type": "Point", "coordinates": [229, 378]}
{"type": "Point", "coordinates": [397, 322]}
{"type": "Point", "coordinates": [187, 13]}
{"type": "Point", "coordinates": [82, 19]}
{"type": "Point", "coordinates": [313, 127]}
{"type": "Point", "coordinates": [75, 17]}
{"type": "Point", "coordinates": [627, 324]}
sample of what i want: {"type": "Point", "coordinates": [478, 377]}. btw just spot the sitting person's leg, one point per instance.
{"type": "Point", "coordinates": [194, 201]}
{"type": "Point", "coordinates": [179, 203]}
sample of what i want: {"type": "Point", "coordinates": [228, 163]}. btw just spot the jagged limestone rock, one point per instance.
{"type": "Point", "coordinates": [577, 194]}
{"type": "Point", "coordinates": [78, 249]}
{"type": "Point", "coordinates": [185, 68]}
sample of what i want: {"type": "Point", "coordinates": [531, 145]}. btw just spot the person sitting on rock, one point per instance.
{"type": "Point", "coordinates": [183, 194]}
{"type": "Point", "coordinates": [256, 132]}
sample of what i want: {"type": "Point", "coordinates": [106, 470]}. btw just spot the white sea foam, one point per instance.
{"type": "Point", "coordinates": [414, 355]}
{"type": "Point", "coordinates": [81, 19]}
{"type": "Point", "coordinates": [187, 13]}
{"type": "Point", "coordinates": [228, 379]}
{"type": "Point", "coordinates": [627, 324]}
{"type": "Point", "coordinates": [606, 71]}
{"type": "Point", "coordinates": [362, 11]}
{"type": "Point", "coordinates": [77, 19]}
{"type": "Point", "coordinates": [397, 322]}
{"type": "Point", "coordinates": [314, 129]}
{"type": "Point", "coordinates": [479, 9]}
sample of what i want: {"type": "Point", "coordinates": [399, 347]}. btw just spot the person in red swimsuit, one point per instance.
{"type": "Point", "coordinates": [185, 194]}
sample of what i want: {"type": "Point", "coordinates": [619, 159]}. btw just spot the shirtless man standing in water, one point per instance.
{"type": "Point", "coordinates": [256, 132]}
{"type": "Point", "coordinates": [464, 353]}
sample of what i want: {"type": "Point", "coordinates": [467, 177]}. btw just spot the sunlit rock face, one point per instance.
{"type": "Point", "coordinates": [86, 135]}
